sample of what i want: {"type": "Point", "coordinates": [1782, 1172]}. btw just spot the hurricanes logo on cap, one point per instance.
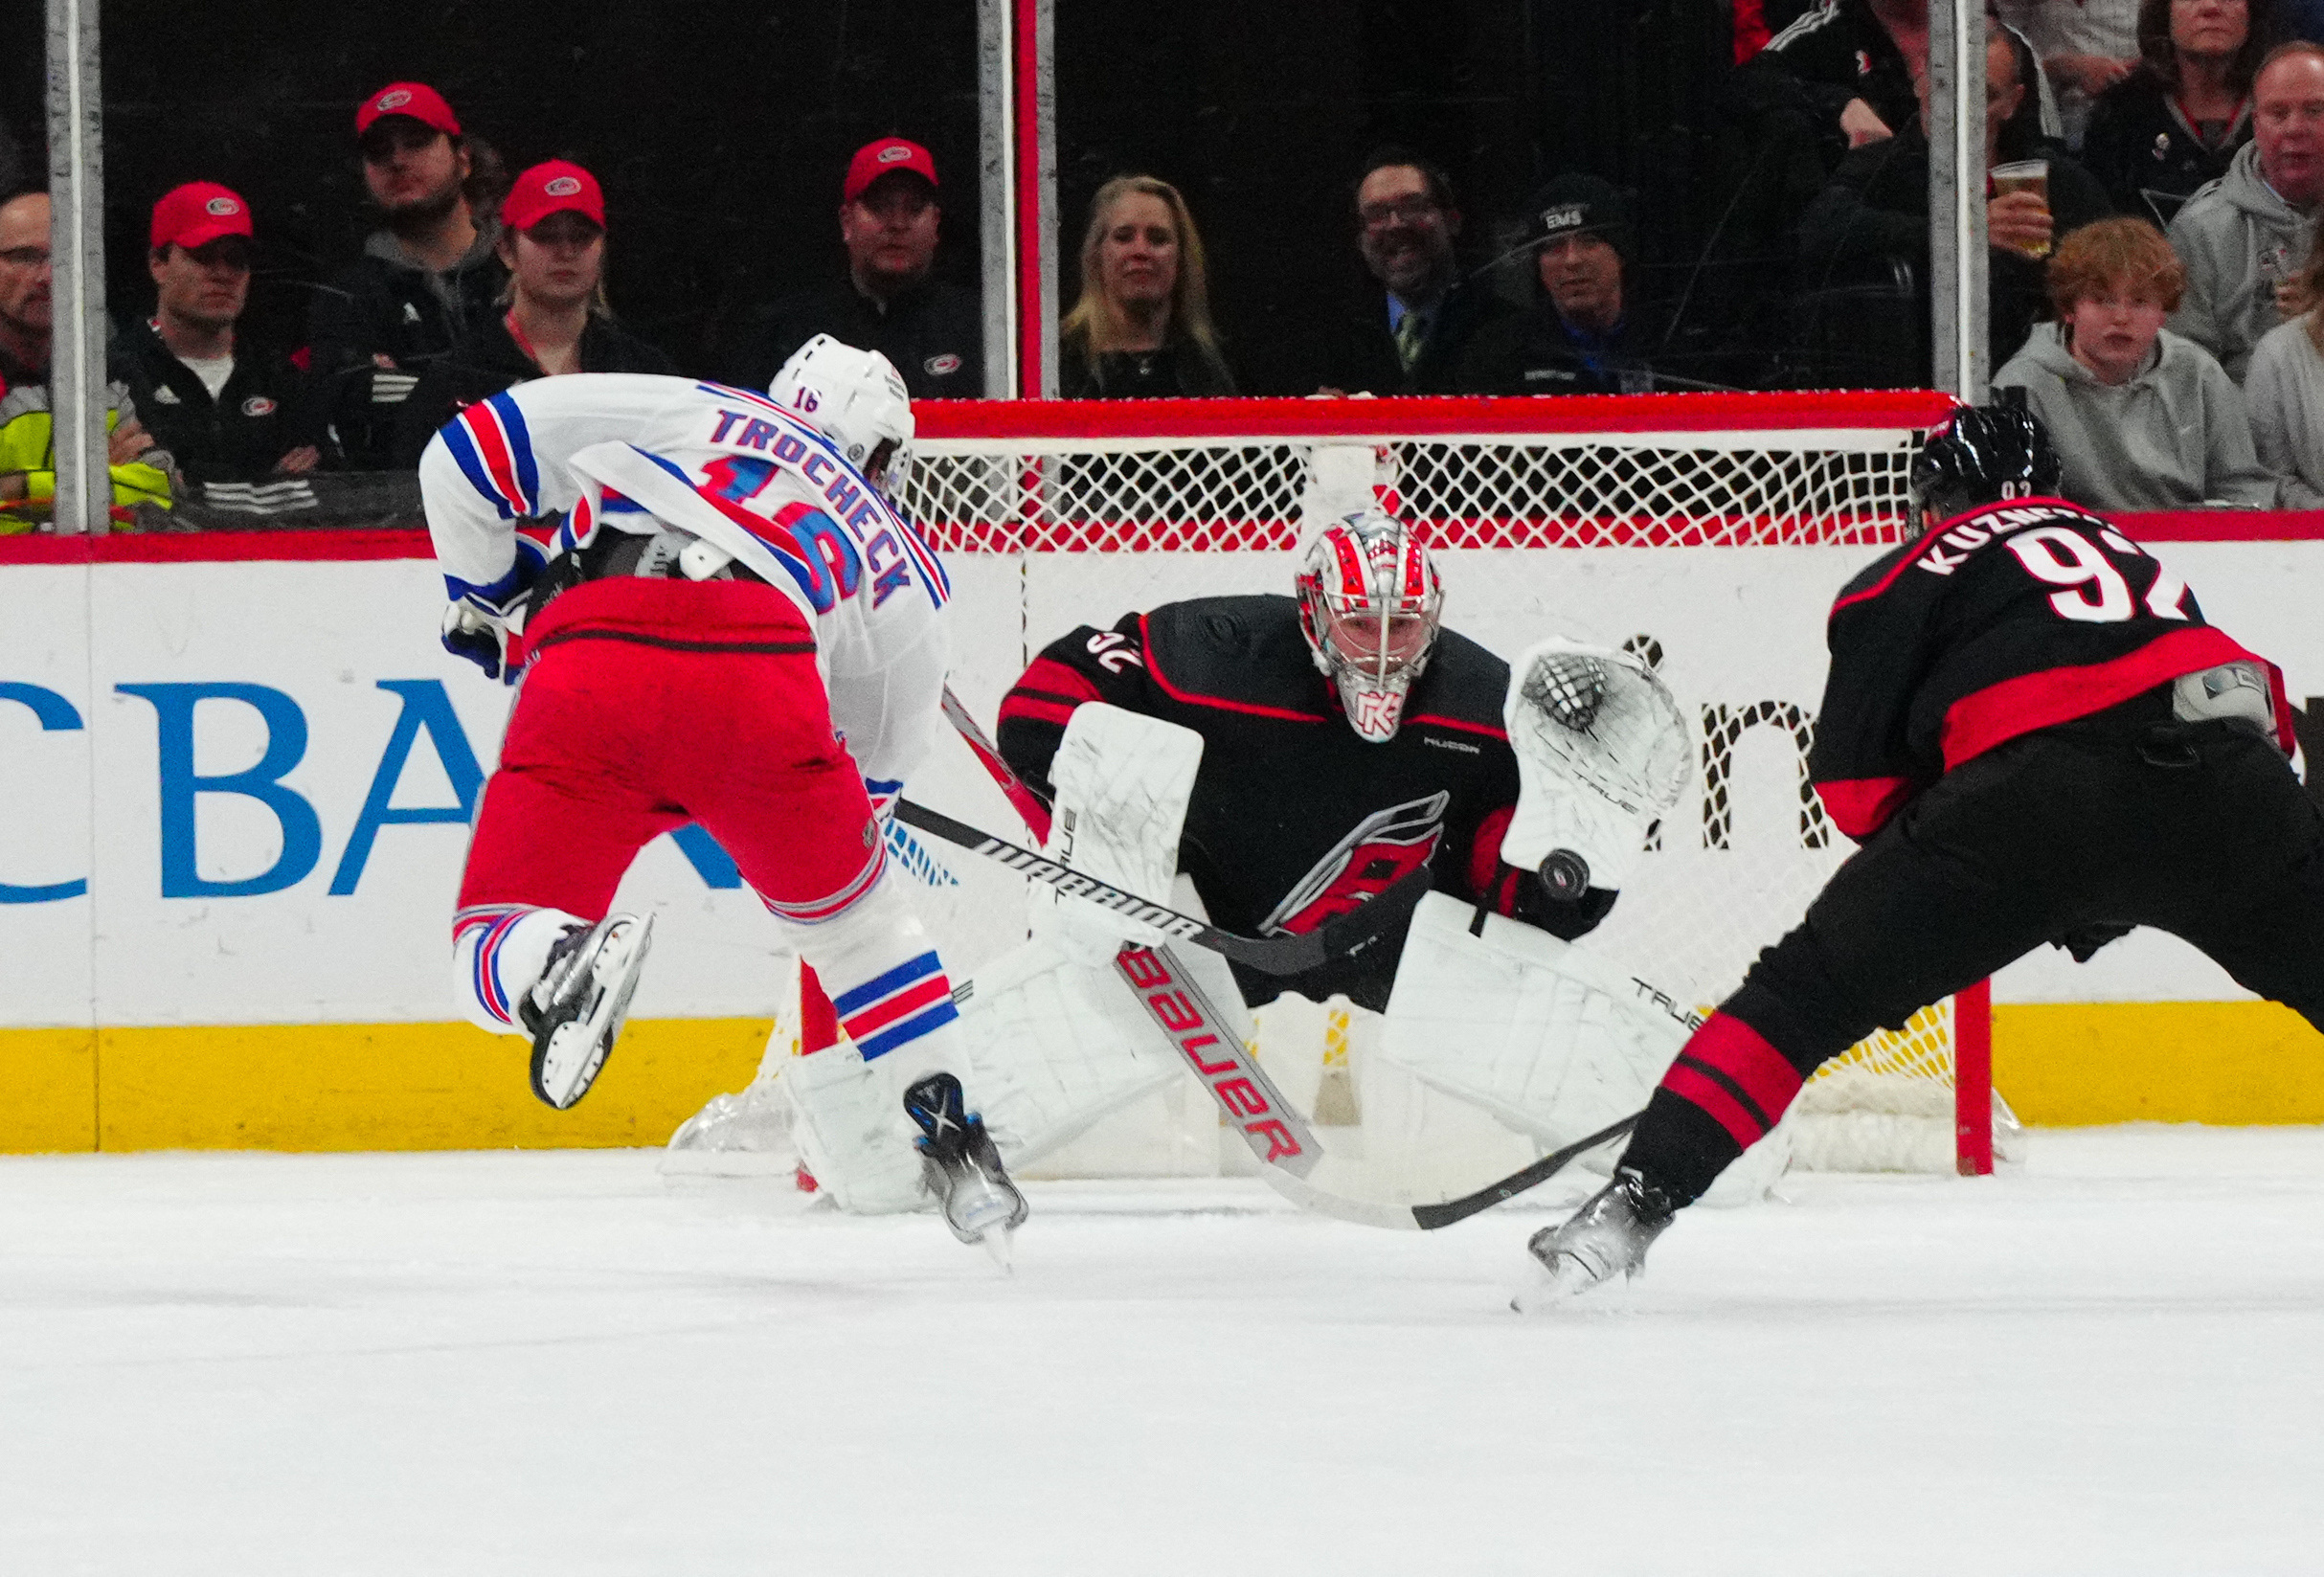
{"type": "Point", "coordinates": [564, 185]}
{"type": "Point", "coordinates": [392, 98]}
{"type": "Point", "coordinates": [220, 207]}
{"type": "Point", "coordinates": [895, 155]}
{"type": "Point", "coordinates": [1570, 216]}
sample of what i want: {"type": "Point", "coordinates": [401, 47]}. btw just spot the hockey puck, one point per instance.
{"type": "Point", "coordinates": [1566, 874]}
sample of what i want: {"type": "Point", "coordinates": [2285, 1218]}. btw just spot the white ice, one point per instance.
{"type": "Point", "coordinates": [2109, 1363]}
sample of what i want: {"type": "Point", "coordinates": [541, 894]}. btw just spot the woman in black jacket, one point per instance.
{"type": "Point", "coordinates": [1142, 326]}
{"type": "Point", "coordinates": [2171, 125]}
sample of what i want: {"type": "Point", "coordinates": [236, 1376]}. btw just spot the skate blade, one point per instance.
{"type": "Point", "coordinates": [1000, 1247]}
{"type": "Point", "coordinates": [1551, 1287]}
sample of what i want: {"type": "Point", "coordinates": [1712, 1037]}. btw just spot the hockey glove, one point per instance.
{"type": "Point", "coordinates": [480, 637]}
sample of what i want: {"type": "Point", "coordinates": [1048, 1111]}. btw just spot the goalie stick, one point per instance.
{"type": "Point", "coordinates": [1286, 955]}
{"type": "Point", "coordinates": [1279, 1138]}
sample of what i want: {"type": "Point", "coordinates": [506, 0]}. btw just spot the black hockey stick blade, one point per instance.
{"type": "Point", "coordinates": [1285, 954]}
{"type": "Point", "coordinates": [1429, 1217]}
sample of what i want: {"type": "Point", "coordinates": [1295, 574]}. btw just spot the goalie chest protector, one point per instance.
{"type": "Point", "coordinates": [1295, 818]}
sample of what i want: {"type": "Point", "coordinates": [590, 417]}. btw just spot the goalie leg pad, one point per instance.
{"type": "Point", "coordinates": [1053, 1048]}
{"type": "Point", "coordinates": [1552, 1040]}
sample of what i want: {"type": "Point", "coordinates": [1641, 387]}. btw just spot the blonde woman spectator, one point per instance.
{"type": "Point", "coordinates": [1141, 328]}
{"type": "Point", "coordinates": [2141, 419]}
{"type": "Point", "coordinates": [2285, 390]}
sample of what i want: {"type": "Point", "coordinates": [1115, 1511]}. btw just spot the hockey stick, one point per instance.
{"type": "Point", "coordinates": [1286, 955]}
{"type": "Point", "coordinates": [1279, 1138]}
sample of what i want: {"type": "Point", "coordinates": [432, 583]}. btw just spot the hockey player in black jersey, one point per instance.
{"type": "Point", "coordinates": [1335, 759]}
{"type": "Point", "coordinates": [2037, 738]}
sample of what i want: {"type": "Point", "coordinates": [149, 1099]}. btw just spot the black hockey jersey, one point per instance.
{"type": "Point", "coordinates": [1295, 818]}
{"type": "Point", "coordinates": [2008, 618]}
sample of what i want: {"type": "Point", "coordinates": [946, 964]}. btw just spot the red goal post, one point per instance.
{"type": "Point", "coordinates": [1711, 530]}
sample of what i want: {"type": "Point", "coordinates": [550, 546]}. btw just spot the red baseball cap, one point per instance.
{"type": "Point", "coordinates": [557, 186]}
{"type": "Point", "coordinates": [885, 157]}
{"type": "Point", "coordinates": [197, 213]}
{"type": "Point", "coordinates": [415, 100]}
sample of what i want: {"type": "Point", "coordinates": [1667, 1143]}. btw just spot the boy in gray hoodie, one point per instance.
{"type": "Point", "coordinates": [2141, 417]}
{"type": "Point", "coordinates": [2244, 235]}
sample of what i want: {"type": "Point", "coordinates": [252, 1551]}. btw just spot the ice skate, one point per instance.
{"type": "Point", "coordinates": [962, 1168]}
{"type": "Point", "coordinates": [1610, 1234]}
{"type": "Point", "coordinates": [576, 1010]}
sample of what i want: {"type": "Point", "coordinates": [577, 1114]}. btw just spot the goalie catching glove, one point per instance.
{"type": "Point", "coordinates": [1601, 756]}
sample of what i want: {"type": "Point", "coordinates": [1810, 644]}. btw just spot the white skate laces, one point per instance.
{"type": "Point", "coordinates": [576, 1008]}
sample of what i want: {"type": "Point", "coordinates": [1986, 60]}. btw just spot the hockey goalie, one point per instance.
{"type": "Point", "coordinates": [1280, 762]}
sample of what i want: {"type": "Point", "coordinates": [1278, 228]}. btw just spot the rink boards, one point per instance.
{"type": "Point", "coordinates": [240, 786]}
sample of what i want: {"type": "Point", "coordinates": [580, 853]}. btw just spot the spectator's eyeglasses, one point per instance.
{"type": "Point", "coordinates": [26, 256]}
{"type": "Point", "coordinates": [1411, 210]}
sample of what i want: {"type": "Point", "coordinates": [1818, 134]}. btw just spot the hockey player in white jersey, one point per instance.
{"type": "Point", "coordinates": [1493, 1012]}
{"type": "Point", "coordinates": [735, 627]}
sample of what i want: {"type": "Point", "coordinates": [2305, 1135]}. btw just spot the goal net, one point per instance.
{"type": "Point", "coordinates": [1706, 532]}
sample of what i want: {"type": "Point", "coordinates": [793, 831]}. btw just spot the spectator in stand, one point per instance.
{"type": "Point", "coordinates": [1860, 64]}
{"type": "Point", "coordinates": [2172, 126]}
{"type": "Point", "coordinates": [1141, 328]}
{"type": "Point", "coordinates": [226, 411]}
{"type": "Point", "coordinates": [28, 448]}
{"type": "Point", "coordinates": [1878, 203]}
{"type": "Point", "coordinates": [1412, 341]}
{"type": "Point", "coordinates": [2084, 47]}
{"type": "Point", "coordinates": [429, 276]}
{"type": "Point", "coordinates": [2242, 237]}
{"type": "Point", "coordinates": [931, 331]}
{"type": "Point", "coordinates": [1587, 335]}
{"type": "Point", "coordinates": [2141, 419]}
{"type": "Point", "coordinates": [2285, 390]}
{"type": "Point", "coordinates": [555, 317]}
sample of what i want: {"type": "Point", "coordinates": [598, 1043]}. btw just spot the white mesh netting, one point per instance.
{"type": "Point", "coordinates": [1709, 538]}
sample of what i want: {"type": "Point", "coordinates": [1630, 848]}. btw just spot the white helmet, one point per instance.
{"type": "Point", "coordinates": [1371, 603]}
{"type": "Point", "coordinates": [857, 400]}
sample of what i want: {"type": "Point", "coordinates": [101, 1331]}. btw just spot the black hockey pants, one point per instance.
{"type": "Point", "coordinates": [2198, 829]}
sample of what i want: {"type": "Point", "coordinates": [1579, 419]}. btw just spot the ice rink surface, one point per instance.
{"type": "Point", "coordinates": [2111, 1362]}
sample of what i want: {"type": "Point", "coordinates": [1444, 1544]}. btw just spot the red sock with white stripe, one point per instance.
{"type": "Point", "coordinates": [1729, 1087]}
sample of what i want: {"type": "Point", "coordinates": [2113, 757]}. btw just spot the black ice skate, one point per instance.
{"type": "Point", "coordinates": [1608, 1235]}
{"type": "Point", "coordinates": [576, 1010]}
{"type": "Point", "coordinates": [962, 1168]}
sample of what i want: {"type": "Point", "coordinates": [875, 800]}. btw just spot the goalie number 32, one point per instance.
{"type": "Point", "coordinates": [2095, 590]}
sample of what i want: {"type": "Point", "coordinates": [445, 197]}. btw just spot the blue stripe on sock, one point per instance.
{"type": "Point", "coordinates": [930, 1017]}
{"type": "Point", "coordinates": [886, 985]}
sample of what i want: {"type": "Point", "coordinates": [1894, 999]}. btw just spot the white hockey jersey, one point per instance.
{"type": "Point", "coordinates": [629, 452]}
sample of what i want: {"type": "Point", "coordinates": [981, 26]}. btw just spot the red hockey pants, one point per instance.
{"type": "Point", "coordinates": [655, 703]}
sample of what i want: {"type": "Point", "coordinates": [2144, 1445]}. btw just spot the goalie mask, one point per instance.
{"type": "Point", "coordinates": [1369, 604]}
{"type": "Point", "coordinates": [857, 400]}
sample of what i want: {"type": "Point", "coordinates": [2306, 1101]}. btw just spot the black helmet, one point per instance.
{"type": "Point", "coordinates": [1987, 454]}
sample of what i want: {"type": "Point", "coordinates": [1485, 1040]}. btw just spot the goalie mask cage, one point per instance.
{"type": "Point", "coordinates": [1707, 532]}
